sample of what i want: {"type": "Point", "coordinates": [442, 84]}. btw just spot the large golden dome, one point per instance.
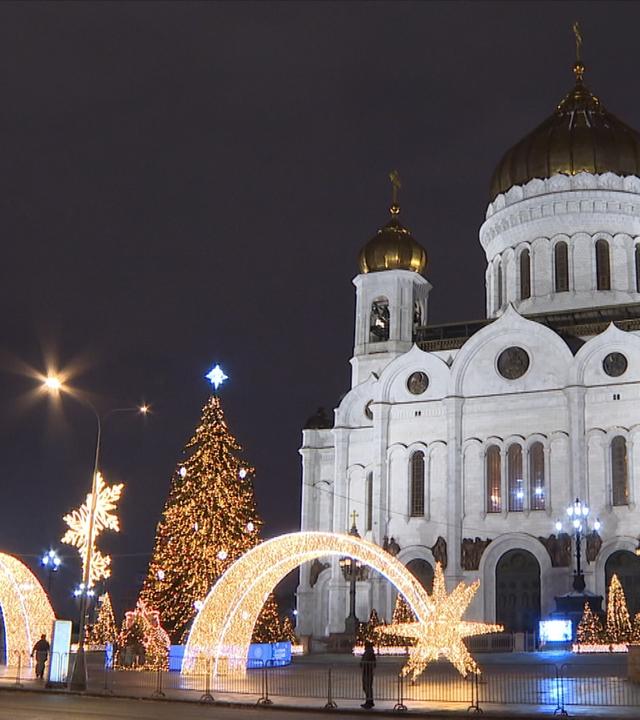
{"type": "Point", "coordinates": [392, 248]}
{"type": "Point", "coordinates": [580, 136]}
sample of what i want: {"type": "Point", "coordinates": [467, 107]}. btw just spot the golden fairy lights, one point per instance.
{"type": "Point", "coordinates": [82, 533]}
{"type": "Point", "coordinates": [441, 633]}
{"type": "Point", "coordinates": [224, 626]}
{"type": "Point", "coordinates": [208, 521]}
{"type": "Point", "coordinates": [104, 631]}
{"type": "Point", "coordinates": [26, 610]}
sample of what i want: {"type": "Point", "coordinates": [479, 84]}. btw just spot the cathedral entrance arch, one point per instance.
{"type": "Point", "coordinates": [518, 591]}
{"type": "Point", "coordinates": [25, 610]}
{"type": "Point", "coordinates": [221, 633]}
{"type": "Point", "coordinates": [626, 565]}
{"type": "Point", "coordinates": [423, 571]}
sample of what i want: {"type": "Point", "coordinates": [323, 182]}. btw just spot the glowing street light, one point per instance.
{"type": "Point", "coordinates": [578, 516]}
{"type": "Point", "coordinates": [53, 384]}
{"type": "Point", "coordinates": [51, 561]}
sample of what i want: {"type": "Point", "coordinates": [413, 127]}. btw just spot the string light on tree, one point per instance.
{"type": "Point", "coordinates": [82, 533]}
{"type": "Point", "coordinates": [105, 630]}
{"type": "Point", "coordinates": [211, 495]}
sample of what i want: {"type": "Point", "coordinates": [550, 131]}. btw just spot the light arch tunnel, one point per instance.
{"type": "Point", "coordinates": [221, 633]}
{"type": "Point", "coordinates": [26, 610]}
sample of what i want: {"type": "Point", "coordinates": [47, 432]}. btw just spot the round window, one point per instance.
{"type": "Point", "coordinates": [368, 411]}
{"type": "Point", "coordinates": [513, 363]}
{"type": "Point", "coordinates": [417, 383]}
{"type": "Point", "coordinates": [615, 364]}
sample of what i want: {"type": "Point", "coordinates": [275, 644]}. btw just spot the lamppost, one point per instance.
{"type": "Point", "coordinates": [352, 570]}
{"type": "Point", "coordinates": [51, 561]}
{"type": "Point", "coordinates": [54, 385]}
{"type": "Point", "coordinates": [578, 514]}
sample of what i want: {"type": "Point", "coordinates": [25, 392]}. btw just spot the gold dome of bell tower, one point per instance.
{"type": "Point", "coordinates": [580, 136]}
{"type": "Point", "coordinates": [393, 247]}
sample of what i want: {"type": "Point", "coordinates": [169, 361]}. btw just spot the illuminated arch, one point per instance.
{"type": "Point", "coordinates": [26, 609]}
{"type": "Point", "coordinates": [223, 627]}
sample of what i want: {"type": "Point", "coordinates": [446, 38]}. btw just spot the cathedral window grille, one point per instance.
{"type": "Point", "coordinates": [499, 283]}
{"type": "Point", "coordinates": [417, 485]}
{"type": "Point", "coordinates": [494, 480]}
{"type": "Point", "coordinates": [561, 266]}
{"type": "Point", "coordinates": [515, 478]}
{"type": "Point", "coordinates": [619, 471]}
{"type": "Point", "coordinates": [536, 477]}
{"type": "Point", "coordinates": [380, 319]}
{"type": "Point", "coordinates": [368, 524]}
{"type": "Point", "coordinates": [637, 259]}
{"type": "Point", "coordinates": [525, 275]}
{"type": "Point", "coordinates": [603, 269]}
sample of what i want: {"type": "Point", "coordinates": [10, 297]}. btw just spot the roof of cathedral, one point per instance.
{"type": "Point", "coordinates": [571, 325]}
{"type": "Point", "coordinates": [580, 136]}
{"type": "Point", "coordinates": [392, 248]}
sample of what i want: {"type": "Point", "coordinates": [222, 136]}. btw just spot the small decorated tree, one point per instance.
{"type": "Point", "coordinates": [618, 622]}
{"type": "Point", "coordinates": [402, 613]}
{"type": "Point", "coordinates": [288, 631]}
{"type": "Point", "coordinates": [268, 627]}
{"type": "Point", "coordinates": [143, 643]}
{"type": "Point", "coordinates": [104, 630]}
{"type": "Point", "coordinates": [590, 630]}
{"type": "Point", "coordinates": [367, 631]}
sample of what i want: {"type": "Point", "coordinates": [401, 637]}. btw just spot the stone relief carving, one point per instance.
{"type": "Point", "coordinates": [316, 568]}
{"type": "Point", "coordinates": [439, 551]}
{"type": "Point", "coordinates": [594, 543]}
{"type": "Point", "coordinates": [391, 546]}
{"type": "Point", "coordinates": [559, 549]}
{"type": "Point", "coordinates": [471, 551]}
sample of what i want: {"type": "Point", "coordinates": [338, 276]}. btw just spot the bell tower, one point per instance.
{"type": "Point", "coordinates": [391, 294]}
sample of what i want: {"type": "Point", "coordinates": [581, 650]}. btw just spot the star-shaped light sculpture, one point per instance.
{"type": "Point", "coordinates": [441, 634]}
{"type": "Point", "coordinates": [216, 376]}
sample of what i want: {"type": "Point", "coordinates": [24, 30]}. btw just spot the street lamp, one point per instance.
{"type": "Point", "coordinates": [352, 570]}
{"type": "Point", "coordinates": [578, 515]}
{"type": "Point", "coordinates": [51, 561]}
{"type": "Point", "coordinates": [53, 384]}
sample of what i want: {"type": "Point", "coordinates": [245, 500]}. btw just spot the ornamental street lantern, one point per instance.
{"type": "Point", "coordinates": [578, 515]}
{"type": "Point", "coordinates": [352, 571]}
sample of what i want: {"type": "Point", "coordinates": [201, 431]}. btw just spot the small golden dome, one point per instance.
{"type": "Point", "coordinates": [392, 248]}
{"type": "Point", "coordinates": [580, 136]}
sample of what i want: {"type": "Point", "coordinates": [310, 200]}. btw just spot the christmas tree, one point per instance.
{"type": "Point", "coordinates": [635, 629]}
{"type": "Point", "coordinates": [268, 627]}
{"type": "Point", "coordinates": [402, 613]}
{"type": "Point", "coordinates": [143, 644]}
{"type": "Point", "coordinates": [288, 631]}
{"type": "Point", "coordinates": [104, 630]}
{"type": "Point", "coordinates": [367, 631]}
{"type": "Point", "coordinates": [618, 623]}
{"type": "Point", "coordinates": [590, 630]}
{"type": "Point", "coordinates": [208, 521]}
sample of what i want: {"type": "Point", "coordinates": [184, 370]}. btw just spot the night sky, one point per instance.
{"type": "Point", "coordinates": [184, 184]}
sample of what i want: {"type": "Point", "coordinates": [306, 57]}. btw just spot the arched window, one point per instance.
{"type": "Point", "coordinates": [368, 524]}
{"type": "Point", "coordinates": [619, 471]}
{"type": "Point", "coordinates": [537, 489]}
{"type": "Point", "coordinates": [499, 283]}
{"type": "Point", "coordinates": [603, 270]}
{"type": "Point", "coordinates": [525, 275]}
{"type": "Point", "coordinates": [561, 266]}
{"type": "Point", "coordinates": [637, 254]}
{"type": "Point", "coordinates": [494, 488]}
{"type": "Point", "coordinates": [379, 322]}
{"type": "Point", "coordinates": [416, 497]}
{"type": "Point", "coordinates": [515, 479]}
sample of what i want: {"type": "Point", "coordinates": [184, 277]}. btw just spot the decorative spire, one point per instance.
{"type": "Point", "coordinates": [578, 68]}
{"type": "Point", "coordinates": [395, 186]}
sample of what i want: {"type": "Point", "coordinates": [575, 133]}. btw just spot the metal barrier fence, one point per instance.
{"type": "Point", "coordinates": [339, 682]}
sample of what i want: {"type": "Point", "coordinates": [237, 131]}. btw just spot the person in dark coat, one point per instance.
{"type": "Point", "coordinates": [368, 665]}
{"type": "Point", "coordinates": [41, 652]}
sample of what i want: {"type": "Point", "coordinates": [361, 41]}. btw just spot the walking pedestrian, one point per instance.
{"type": "Point", "coordinates": [41, 652]}
{"type": "Point", "coordinates": [368, 665]}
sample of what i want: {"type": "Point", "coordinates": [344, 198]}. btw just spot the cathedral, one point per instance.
{"type": "Point", "coordinates": [470, 443]}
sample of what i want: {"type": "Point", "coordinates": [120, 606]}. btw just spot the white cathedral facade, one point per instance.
{"type": "Point", "coordinates": [464, 443]}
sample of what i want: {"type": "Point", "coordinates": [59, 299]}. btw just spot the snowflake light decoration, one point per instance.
{"type": "Point", "coordinates": [441, 633]}
{"type": "Point", "coordinates": [82, 532]}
